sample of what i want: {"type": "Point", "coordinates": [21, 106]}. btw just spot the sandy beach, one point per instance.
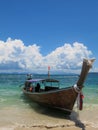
{"type": "Point", "coordinates": [59, 128]}
{"type": "Point", "coordinates": [45, 119]}
{"type": "Point", "coordinates": [45, 128]}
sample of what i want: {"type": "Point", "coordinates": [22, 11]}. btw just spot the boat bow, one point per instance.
{"type": "Point", "coordinates": [87, 64]}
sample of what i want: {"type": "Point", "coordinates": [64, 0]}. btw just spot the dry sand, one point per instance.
{"type": "Point", "coordinates": [43, 128]}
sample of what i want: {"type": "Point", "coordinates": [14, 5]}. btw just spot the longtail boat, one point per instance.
{"type": "Point", "coordinates": [45, 92]}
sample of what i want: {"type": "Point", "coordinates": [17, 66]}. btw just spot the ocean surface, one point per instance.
{"type": "Point", "coordinates": [16, 109]}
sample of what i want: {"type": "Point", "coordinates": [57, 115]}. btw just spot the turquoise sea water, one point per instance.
{"type": "Point", "coordinates": [11, 94]}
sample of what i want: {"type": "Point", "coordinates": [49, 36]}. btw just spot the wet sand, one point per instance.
{"type": "Point", "coordinates": [13, 118]}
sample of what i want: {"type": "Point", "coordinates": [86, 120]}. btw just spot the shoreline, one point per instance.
{"type": "Point", "coordinates": [45, 123]}
{"type": "Point", "coordinates": [33, 116]}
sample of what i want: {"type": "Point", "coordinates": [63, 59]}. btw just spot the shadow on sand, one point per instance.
{"type": "Point", "coordinates": [54, 112]}
{"type": "Point", "coordinates": [75, 118]}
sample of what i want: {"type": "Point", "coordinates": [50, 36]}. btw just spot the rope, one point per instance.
{"type": "Point", "coordinates": [76, 88]}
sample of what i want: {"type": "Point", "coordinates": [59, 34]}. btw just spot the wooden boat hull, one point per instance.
{"type": "Point", "coordinates": [62, 99]}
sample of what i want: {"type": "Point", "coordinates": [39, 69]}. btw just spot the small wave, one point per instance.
{"type": "Point", "coordinates": [2, 100]}
{"type": "Point", "coordinates": [87, 106]}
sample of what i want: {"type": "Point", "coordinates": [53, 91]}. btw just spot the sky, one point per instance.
{"type": "Point", "coordinates": [35, 34]}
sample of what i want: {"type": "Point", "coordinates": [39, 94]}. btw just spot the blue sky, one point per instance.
{"type": "Point", "coordinates": [49, 28]}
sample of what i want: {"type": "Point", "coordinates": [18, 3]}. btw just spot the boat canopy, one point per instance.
{"type": "Point", "coordinates": [42, 80]}
{"type": "Point", "coordinates": [34, 80]}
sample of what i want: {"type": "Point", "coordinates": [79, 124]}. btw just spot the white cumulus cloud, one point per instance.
{"type": "Point", "coordinates": [15, 56]}
{"type": "Point", "coordinates": [68, 56]}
